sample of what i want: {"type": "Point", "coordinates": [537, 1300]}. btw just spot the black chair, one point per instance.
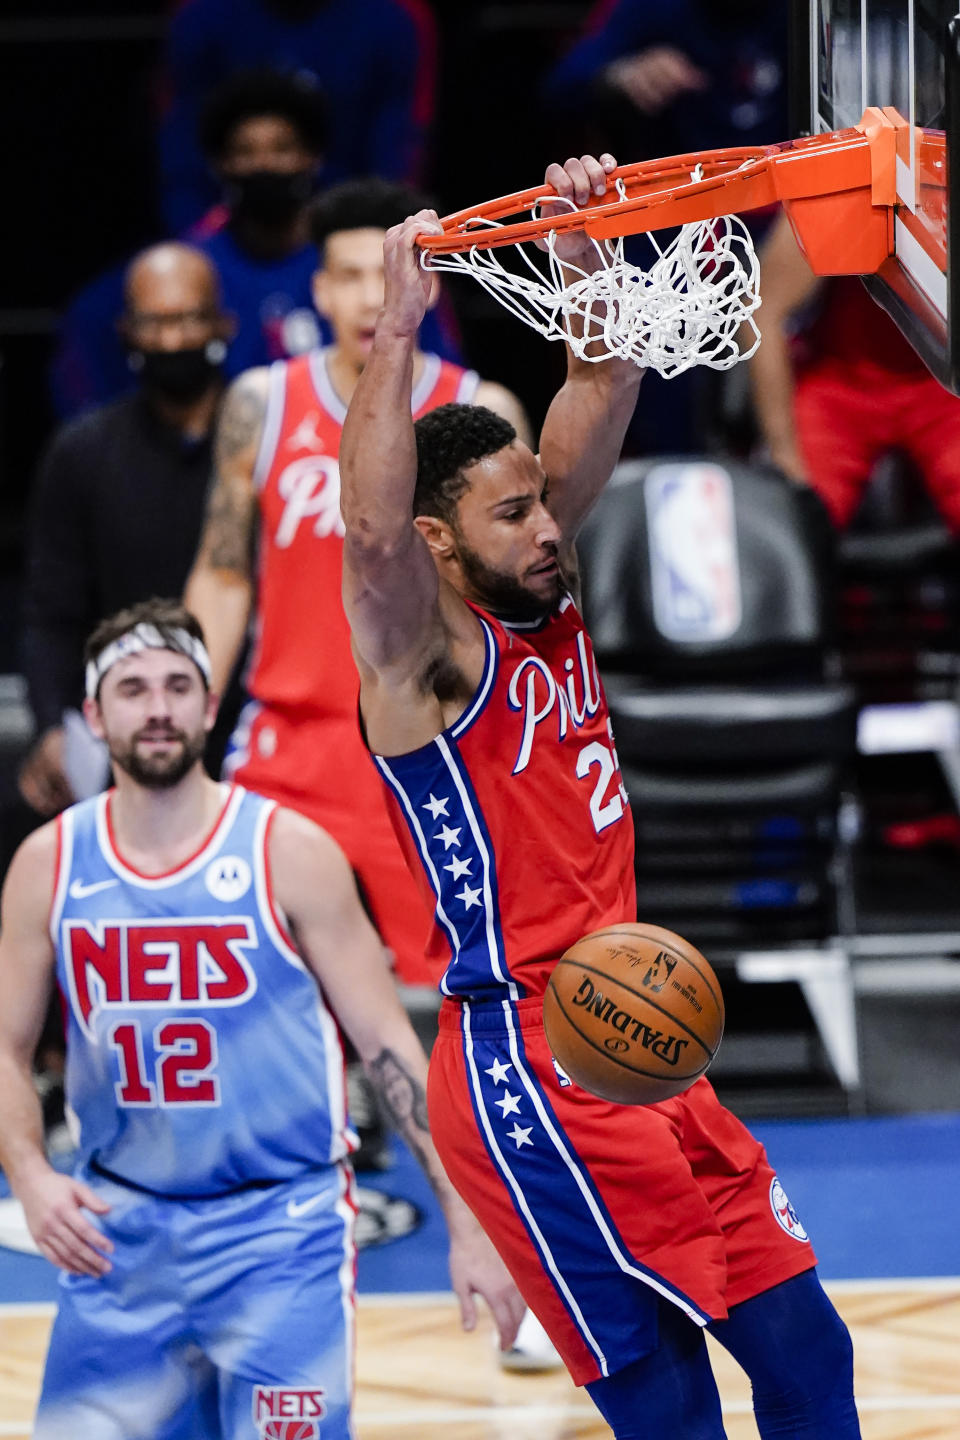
{"type": "Point", "coordinates": [899, 593]}
{"type": "Point", "coordinates": [708, 590]}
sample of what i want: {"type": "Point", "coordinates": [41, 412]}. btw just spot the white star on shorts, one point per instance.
{"type": "Point", "coordinates": [435, 806]}
{"type": "Point", "coordinates": [458, 867]}
{"type": "Point", "coordinates": [448, 836]}
{"type": "Point", "coordinates": [468, 896]}
{"type": "Point", "coordinates": [522, 1137]}
{"type": "Point", "coordinates": [508, 1103]}
{"type": "Point", "coordinates": [498, 1071]}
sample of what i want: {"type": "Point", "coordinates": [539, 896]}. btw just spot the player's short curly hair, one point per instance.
{"type": "Point", "coordinates": [367, 204]}
{"type": "Point", "coordinates": [449, 439]}
{"type": "Point", "coordinates": [252, 93]}
{"type": "Point", "coordinates": [167, 616]}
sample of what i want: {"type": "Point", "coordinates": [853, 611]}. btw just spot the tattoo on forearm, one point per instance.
{"type": "Point", "coordinates": [240, 419]}
{"type": "Point", "coordinates": [229, 534]}
{"type": "Point", "coordinates": [404, 1102]}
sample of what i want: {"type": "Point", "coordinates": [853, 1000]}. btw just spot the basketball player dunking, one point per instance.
{"type": "Point", "coordinates": [628, 1230]}
{"type": "Point", "coordinates": [206, 944]}
{"type": "Point", "coordinates": [273, 546]}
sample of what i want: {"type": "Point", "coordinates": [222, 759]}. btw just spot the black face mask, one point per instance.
{"type": "Point", "coordinates": [295, 10]}
{"type": "Point", "coordinates": [268, 196]}
{"type": "Point", "coordinates": [179, 374]}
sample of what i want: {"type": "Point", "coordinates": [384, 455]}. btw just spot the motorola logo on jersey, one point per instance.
{"type": "Point", "coordinates": [115, 964]}
{"type": "Point", "coordinates": [534, 691]}
{"type": "Point", "coordinates": [310, 490]}
{"type": "Point", "coordinates": [227, 878]}
{"type": "Point", "coordinates": [280, 1413]}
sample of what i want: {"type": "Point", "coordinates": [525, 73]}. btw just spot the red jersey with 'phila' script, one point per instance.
{"type": "Point", "coordinates": [515, 816]}
{"type": "Point", "coordinates": [301, 655]}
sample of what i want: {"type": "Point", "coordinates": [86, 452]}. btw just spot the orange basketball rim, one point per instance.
{"type": "Point", "coordinates": [838, 189]}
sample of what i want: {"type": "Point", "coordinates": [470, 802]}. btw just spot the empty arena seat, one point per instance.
{"type": "Point", "coordinates": [708, 590]}
{"type": "Point", "coordinates": [899, 595]}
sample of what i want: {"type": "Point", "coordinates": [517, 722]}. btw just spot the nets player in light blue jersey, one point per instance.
{"type": "Point", "coordinates": [206, 944]}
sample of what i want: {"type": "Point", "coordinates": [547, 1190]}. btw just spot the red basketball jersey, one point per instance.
{"type": "Point", "coordinates": [301, 655]}
{"type": "Point", "coordinates": [516, 817]}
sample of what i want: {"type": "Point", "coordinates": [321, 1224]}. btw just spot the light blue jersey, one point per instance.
{"type": "Point", "coordinates": [201, 1056]}
{"type": "Point", "coordinates": [203, 1067]}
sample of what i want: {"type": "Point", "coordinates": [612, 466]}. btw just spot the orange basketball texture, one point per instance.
{"type": "Point", "coordinates": [633, 1013]}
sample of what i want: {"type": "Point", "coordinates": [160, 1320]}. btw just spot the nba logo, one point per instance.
{"type": "Point", "coordinates": [285, 1414]}
{"type": "Point", "coordinates": [659, 973]}
{"type": "Point", "coordinates": [692, 537]}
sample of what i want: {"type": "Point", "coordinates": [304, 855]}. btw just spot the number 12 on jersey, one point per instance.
{"type": "Point", "coordinates": [186, 1056]}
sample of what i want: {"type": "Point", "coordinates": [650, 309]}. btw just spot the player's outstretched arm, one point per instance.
{"type": "Point", "coordinates": [53, 1204]}
{"type": "Point", "coordinates": [220, 586]}
{"type": "Point", "coordinates": [315, 888]}
{"type": "Point", "coordinates": [390, 585]}
{"type": "Point", "coordinates": [587, 420]}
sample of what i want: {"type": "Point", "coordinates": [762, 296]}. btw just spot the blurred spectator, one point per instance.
{"type": "Point", "coordinates": [374, 59]}
{"type": "Point", "coordinates": [662, 77]}
{"type": "Point", "coordinates": [272, 553]}
{"type": "Point", "coordinates": [119, 499]}
{"type": "Point", "coordinates": [837, 386]}
{"type": "Point", "coordinates": [712, 71]}
{"type": "Point", "coordinates": [263, 133]}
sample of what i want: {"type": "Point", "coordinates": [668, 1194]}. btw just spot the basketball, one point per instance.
{"type": "Point", "coordinates": [633, 1013]}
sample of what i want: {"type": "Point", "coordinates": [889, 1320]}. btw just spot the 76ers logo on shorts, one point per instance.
{"type": "Point", "coordinates": [282, 1414]}
{"type": "Point", "coordinates": [786, 1216]}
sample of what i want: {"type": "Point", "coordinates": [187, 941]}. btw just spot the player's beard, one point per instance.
{"type": "Point", "coordinates": [159, 771]}
{"type": "Point", "coordinates": [502, 593]}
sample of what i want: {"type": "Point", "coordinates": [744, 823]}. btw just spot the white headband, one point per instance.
{"type": "Point", "coordinates": [147, 637]}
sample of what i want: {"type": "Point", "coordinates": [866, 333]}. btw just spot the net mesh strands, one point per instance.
{"type": "Point", "coordinates": [692, 304]}
{"type": "Point", "coordinates": [693, 301]}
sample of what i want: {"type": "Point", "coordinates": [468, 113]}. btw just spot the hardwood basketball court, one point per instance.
{"type": "Point", "coordinates": [418, 1376]}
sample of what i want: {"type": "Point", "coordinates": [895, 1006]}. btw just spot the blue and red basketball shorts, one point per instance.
{"type": "Point", "coordinates": [600, 1210]}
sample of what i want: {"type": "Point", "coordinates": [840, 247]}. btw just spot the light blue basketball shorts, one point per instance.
{"type": "Point", "coordinates": [229, 1318]}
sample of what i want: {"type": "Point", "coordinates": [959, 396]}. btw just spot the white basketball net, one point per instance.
{"type": "Point", "coordinates": [694, 306]}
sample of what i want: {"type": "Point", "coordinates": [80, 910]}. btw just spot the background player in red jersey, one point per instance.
{"type": "Point", "coordinates": [628, 1229]}
{"type": "Point", "coordinates": [206, 1077]}
{"type": "Point", "coordinates": [848, 390]}
{"type": "Point", "coordinates": [272, 552]}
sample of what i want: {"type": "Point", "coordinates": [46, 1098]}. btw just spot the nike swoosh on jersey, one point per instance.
{"type": "Point", "coordinates": [79, 891]}
{"type": "Point", "coordinates": [296, 1208]}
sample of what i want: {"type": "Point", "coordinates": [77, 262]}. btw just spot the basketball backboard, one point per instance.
{"type": "Point", "coordinates": [902, 55]}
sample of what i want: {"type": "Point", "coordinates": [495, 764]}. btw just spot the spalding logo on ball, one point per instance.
{"type": "Point", "coordinates": [633, 1013]}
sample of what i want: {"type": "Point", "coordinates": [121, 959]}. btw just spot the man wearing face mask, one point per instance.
{"type": "Point", "coordinates": [263, 134]}
{"type": "Point", "coordinates": [118, 502]}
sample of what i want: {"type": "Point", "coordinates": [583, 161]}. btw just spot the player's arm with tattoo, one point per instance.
{"type": "Point", "coordinates": [220, 589]}
{"type": "Point", "coordinates": [315, 889]}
